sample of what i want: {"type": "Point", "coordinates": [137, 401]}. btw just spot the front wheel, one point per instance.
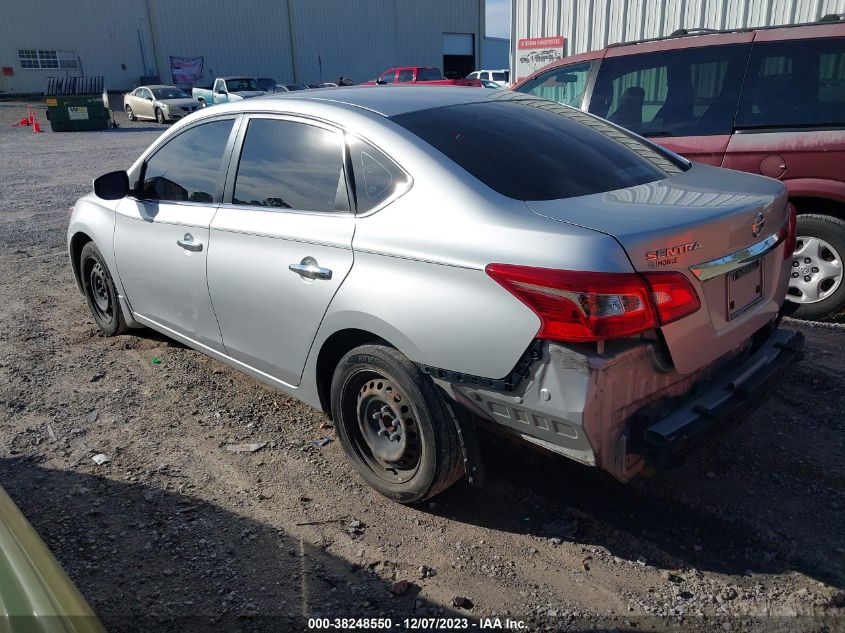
{"type": "Point", "coordinates": [160, 115]}
{"type": "Point", "coordinates": [815, 281]}
{"type": "Point", "coordinates": [100, 291]}
{"type": "Point", "coordinates": [394, 425]}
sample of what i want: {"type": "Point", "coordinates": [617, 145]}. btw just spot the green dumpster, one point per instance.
{"type": "Point", "coordinates": [77, 103]}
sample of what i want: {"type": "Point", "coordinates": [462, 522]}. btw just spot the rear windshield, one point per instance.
{"type": "Point", "coordinates": [429, 74]}
{"type": "Point", "coordinates": [533, 149]}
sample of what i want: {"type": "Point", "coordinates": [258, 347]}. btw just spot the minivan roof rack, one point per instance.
{"type": "Point", "coordinates": [827, 19]}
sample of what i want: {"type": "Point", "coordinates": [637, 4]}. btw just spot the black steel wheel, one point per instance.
{"type": "Point", "coordinates": [99, 290]}
{"type": "Point", "coordinates": [394, 425]}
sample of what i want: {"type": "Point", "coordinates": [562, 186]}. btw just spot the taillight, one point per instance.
{"type": "Point", "coordinates": [583, 306]}
{"type": "Point", "coordinates": [789, 237]}
{"type": "Point", "coordinates": [673, 295]}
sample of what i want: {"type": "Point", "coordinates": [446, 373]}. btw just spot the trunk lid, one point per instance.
{"type": "Point", "coordinates": [679, 223]}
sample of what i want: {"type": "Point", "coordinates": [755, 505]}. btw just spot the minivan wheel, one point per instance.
{"type": "Point", "coordinates": [816, 279]}
{"type": "Point", "coordinates": [100, 292]}
{"type": "Point", "coordinates": [394, 425]}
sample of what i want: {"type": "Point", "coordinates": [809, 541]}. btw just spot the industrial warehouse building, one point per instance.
{"type": "Point", "coordinates": [544, 30]}
{"type": "Point", "coordinates": [294, 41]}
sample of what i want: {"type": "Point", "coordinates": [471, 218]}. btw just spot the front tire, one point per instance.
{"type": "Point", "coordinates": [394, 425]}
{"type": "Point", "coordinates": [160, 116]}
{"type": "Point", "coordinates": [100, 292]}
{"type": "Point", "coordinates": [816, 274]}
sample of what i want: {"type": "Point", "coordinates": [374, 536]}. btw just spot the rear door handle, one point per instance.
{"type": "Point", "coordinates": [309, 269]}
{"type": "Point", "coordinates": [189, 244]}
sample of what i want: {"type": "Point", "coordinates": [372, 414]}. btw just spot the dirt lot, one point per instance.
{"type": "Point", "coordinates": [176, 533]}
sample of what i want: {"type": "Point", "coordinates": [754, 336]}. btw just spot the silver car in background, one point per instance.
{"type": "Point", "coordinates": [158, 103]}
{"type": "Point", "coordinates": [421, 261]}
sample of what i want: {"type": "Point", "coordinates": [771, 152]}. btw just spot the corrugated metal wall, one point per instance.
{"type": "Point", "coordinates": [284, 39]}
{"type": "Point", "coordinates": [496, 52]}
{"type": "Point", "coordinates": [104, 36]}
{"type": "Point", "coordinates": [592, 24]}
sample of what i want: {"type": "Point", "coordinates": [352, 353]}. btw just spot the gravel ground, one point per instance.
{"type": "Point", "coordinates": [176, 533]}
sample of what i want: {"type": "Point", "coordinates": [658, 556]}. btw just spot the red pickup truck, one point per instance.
{"type": "Point", "coordinates": [426, 75]}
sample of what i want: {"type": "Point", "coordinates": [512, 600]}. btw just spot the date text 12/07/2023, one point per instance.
{"type": "Point", "coordinates": [416, 624]}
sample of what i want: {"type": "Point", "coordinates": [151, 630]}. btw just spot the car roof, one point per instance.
{"type": "Point", "coordinates": [392, 100]}
{"type": "Point", "coordinates": [829, 26]}
{"type": "Point", "coordinates": [236, 77]}
{"type": "Point", "coordinates": [154, 86]}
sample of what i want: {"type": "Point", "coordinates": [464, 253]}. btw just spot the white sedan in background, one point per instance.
{"type": "Point", "coordinates": [159, 103]}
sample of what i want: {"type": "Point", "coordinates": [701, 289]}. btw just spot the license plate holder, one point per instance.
{"type": "Point", "coordinates": [745, 288]}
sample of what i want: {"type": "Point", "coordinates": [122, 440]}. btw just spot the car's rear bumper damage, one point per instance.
{"type": "Point", "coordinates": [627, 408]}
{"type": "Point", "coordinates": [666, 434]}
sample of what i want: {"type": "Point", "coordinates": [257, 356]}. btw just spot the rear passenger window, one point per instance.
{"type": "Point", "coordinates": [187, 168]}
{"type": "Point", "coordinates": [794, 83]}
{"type": "Point", "coordinates": [565, 84]}
{"type": "Point", "coordinates": [290, 165]}
{"type": "Point", "coordinates": [687, 92]}
{"type": "Point", "coordinates": [376, 176]}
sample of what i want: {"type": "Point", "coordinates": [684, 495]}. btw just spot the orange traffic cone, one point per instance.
{"type": "Point", "coordinates": [35, 126]}
{"type": "Point", "coordinates": [31, 116]}
{"type": "Point", "coordinates": [24, 122]}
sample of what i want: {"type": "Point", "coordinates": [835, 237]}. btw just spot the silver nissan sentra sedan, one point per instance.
{"type": "Point", "coordinates": [420, 262]}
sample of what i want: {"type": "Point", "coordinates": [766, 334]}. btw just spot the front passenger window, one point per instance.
{"type": "Point", "coordinates": [187, 168]}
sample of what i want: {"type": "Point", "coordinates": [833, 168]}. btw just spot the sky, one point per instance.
{"type": "Point", "coordinates": [498, 18]}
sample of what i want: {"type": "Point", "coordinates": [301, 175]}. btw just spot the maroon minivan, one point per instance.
{"type": "Point", "coordinates": [768, 101]}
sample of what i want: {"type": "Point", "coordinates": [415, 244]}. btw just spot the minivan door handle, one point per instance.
{"type": "Point", "coordinates": [189, 244]}
{"type": "Point", "coordinates": [309, 269]}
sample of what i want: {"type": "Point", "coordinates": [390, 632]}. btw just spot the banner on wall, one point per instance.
{"type": "Point", "coordinates": [186, 70]}
{"type": "Point", "coordinates": [533, 53]}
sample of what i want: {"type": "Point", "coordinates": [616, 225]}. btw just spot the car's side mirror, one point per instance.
{"type": "Point", "coordinates": [112, 186]}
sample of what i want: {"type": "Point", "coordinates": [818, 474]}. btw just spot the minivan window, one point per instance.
{"type": "Point", "coordinates": [290, 165]}
{"type": "Point", "coordinates": [187, 168]}
{"type": "Point", "coordinates": [376, 176]}
{"type": "Point", "coordinates": [685, 92]}
{"type": "Point", "coordinates": [565, 84]}
{"type": "Point", "coordinates": [548, 151]}
{"type": "Point", "coordinates": [794, 83]}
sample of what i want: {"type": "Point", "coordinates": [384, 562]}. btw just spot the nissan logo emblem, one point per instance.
{"type": "Point", "coordinates": [758, 224]}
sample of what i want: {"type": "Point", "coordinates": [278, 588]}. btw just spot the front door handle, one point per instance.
{"type": "Point", "coordinates": [309, 269]}
{"type": "Point", "coordinates": [189, 244]}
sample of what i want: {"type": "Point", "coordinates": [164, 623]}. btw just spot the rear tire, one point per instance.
{"type": "Point", "coordinates": [394, 425]}
{"type": "Point", "coordinates": [100, 292]}
{"type": "Point", "coordinates": [129, 114]}
{"type": "Point", "coordinates": [819, 288]}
